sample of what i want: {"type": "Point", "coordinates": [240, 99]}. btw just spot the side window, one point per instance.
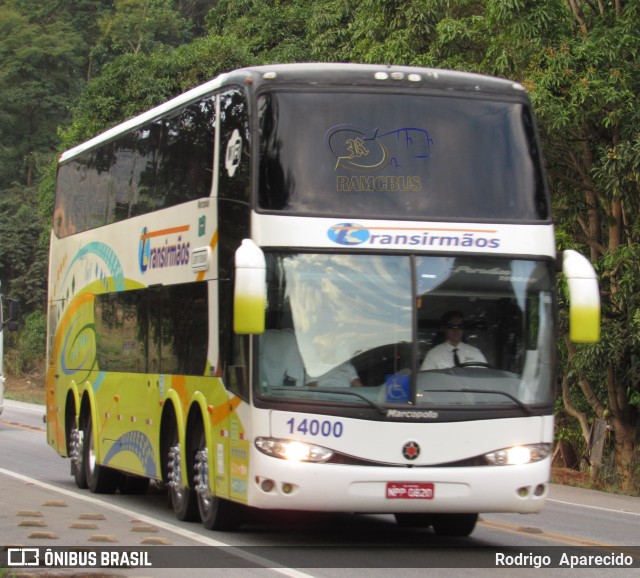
{"type": "Point", "coordinates": [235, 149]}
{"type": "Point", "coordinates": [121, 331]}
{"type": "Point", "coordinates": [143, 168]}
{"type": "Point", "coordinates": [238, 372]}
{"type": "Point", "coordinates": [158, 165]}
{"type": "Point", "coordinates": [184, 329]}
{"type": "Point", "coordinates": [233, 221]}
{"type": "Point", "coordinates": [234, 349]}
{"type": "Point", "coordinates": [185, 164]}
{"type": "Point", "coordinates": [153, 330]}
{"type": "Point", "coordinates": [121, 182]}
{"type": "Point", "coordinates": [82, 192]}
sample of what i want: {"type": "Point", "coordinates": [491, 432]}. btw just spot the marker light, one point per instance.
{"type": "Point", "coordinates": [519, 455]}
{"type": "Point", "coordinates": [293, 450]}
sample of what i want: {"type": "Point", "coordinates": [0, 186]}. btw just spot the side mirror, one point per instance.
{"type": "Point", "coordinates": [584, 298]}
{"type": "Point", "coordinates": [250, 290]}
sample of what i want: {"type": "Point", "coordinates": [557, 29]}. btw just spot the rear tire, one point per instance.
{"type": "Point", "coordinates": [454, 524]}
{"type": "Point", "coordinates": [76, 453]}
{"type": "Point", "coordinates": [216, 513]}
{"type": "Point", "coordinates": [182, 499]}
{"type": "Point", "coordinates": [100, 479]}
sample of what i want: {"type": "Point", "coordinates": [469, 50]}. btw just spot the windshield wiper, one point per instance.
{"type": "Point", "coordinates": [373, 404]}
{"type": "Point", "coordinates": [523, 406]}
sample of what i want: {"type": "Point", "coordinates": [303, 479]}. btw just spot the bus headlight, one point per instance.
{"type": "Point", "coordinates": [293, 450]}
{"type": "Point", "coordinates": [518, 455]}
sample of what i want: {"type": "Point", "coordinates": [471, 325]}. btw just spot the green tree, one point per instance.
{"type": "Point", "coordinates": [23, 258]}
{"type": "Point", "coordinates": [143, 26]}
{"type": "Point", "coordinates": [272, 30]}
{"type": "Point", "coordinates": [584, 79]}
{"type": "Point", "coordinates": [579, 60]}
{"type": "Point", "coordinates": [38, 80]}
{"type": "Point", "coordinates": [146, 80]}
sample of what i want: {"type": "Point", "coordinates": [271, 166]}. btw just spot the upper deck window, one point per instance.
{"type": "Point", "coordinates": [399, 156]}
{"type": "Point", "coordinates": [158, 165]}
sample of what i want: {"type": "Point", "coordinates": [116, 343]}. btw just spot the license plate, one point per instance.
{"type": "Point", "coordinates": [410, 490]}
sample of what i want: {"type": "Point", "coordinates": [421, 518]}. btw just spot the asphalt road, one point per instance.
{"type": "Point", "coordinates": [40, 507]}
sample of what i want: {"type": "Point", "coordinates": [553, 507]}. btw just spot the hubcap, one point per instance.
{"type": "Point", "coordinates": [201, 478]}
{"type": "Point", "coordinates": [174, 474]}
{"type": "Point", "coordinates": [76, 438]}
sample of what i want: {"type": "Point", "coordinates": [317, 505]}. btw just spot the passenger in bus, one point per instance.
{"type": "Point", "coordinates": [280, 360]}
{"type": "Point", "coordinates": [343, 375]}
{"type": "Point", "coordinates": [453, 352]}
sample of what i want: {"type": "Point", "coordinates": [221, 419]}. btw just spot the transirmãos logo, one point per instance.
{"type": "Point", "coordinates": [348, 234]}
{"type": "Point", "coordinates": [157, 249]}
{"type": "Point", "coordinates": [351, 234]}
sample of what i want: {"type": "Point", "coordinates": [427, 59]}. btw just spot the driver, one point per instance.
{"type": "Point", "coordinates": [453, 352]}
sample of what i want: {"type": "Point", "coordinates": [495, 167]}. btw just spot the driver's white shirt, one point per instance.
{"type": "Point", "coordinates": [441, 356]}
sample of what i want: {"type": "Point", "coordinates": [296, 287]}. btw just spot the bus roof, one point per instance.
{"type": "Point", "coordinates": [315, 74]}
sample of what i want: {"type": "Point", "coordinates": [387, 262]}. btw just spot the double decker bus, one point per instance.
{"type": "Point", "coordinates": [247, 281]}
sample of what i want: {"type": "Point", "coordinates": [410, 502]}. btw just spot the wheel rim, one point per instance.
{"type": "Point", "coordinates": [174, 476]}
{"type": "Point", "coordinates": [91, 455]}
{"type": "Point", "coordinates": [201, 467]}
{"type": "Point", "coordinates": [76, 448]}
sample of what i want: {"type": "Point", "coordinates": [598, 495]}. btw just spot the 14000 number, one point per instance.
{"type": "Point", "coordinates": [315, 427]}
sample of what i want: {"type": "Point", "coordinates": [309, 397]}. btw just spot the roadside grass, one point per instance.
{"type": "Point", "coordinates": [29, 389]}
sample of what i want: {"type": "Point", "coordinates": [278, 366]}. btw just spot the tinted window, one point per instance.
{"type": "Point", "coordinates": [153, 330]}
{"type": "Point", "coordinates": [185, 162]}
{"type": "Point", "coordinates": [234, 146]}
{"type": "Point", "coordinates": [121, 331]}
{"type": "Point", "coordinates": [399, 155]}
{"type": "Point", "coordinates": [158, 165]}
{"type": "Point", "coordinates": [463, 333]}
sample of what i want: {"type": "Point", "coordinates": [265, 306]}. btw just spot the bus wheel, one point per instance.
{"type": "Point", "coordinates": [413, 520]}
{"type": "Point", "coordinates": [454, 524]}
{"type": "Point", "coordinates": [183, 500]}
{"type": "Point", "coordinates": [216, 513]}
{"type": "Point", "coordinates": [101, 480]}
{"type": "Point", "coordinates": [76, 451]}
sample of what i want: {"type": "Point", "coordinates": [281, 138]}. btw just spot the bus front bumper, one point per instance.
{"type": "Point", "coordinates": [280, 484]}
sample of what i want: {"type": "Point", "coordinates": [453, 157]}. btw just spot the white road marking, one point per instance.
{"type": "Point", "coordinates": [268, 564]}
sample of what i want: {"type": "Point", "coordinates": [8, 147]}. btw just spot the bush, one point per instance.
{"type": "Point", "coordinates": [27, 355]}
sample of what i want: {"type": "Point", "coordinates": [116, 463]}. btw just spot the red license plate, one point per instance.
{"type": "Point", "coordinates": [410, 490]}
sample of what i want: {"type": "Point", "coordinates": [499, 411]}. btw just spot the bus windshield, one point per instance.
{"type": "Point", "coordinates": [406, 156]}
{"type": "Point", "coordinates": [440, 332]}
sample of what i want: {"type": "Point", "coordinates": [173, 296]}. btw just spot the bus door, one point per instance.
{"type": "Point", "coordinates": [234, 185]}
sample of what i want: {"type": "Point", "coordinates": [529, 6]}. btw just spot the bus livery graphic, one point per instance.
{"type": "Point", "coordinates": [176, 254]}
{"type": "Point", "coordinates": [360, 149]}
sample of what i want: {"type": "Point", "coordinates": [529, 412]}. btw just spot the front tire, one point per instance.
{"type": "Point", "coordinates": [413, 520]}
{"type": "Point", "coordinates": [454, 524]}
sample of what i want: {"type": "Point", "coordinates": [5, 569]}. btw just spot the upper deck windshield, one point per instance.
{"type": "Point", "coordinates": [397, 155]}
{"type": "Point", "coordinates": [378, 331]}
